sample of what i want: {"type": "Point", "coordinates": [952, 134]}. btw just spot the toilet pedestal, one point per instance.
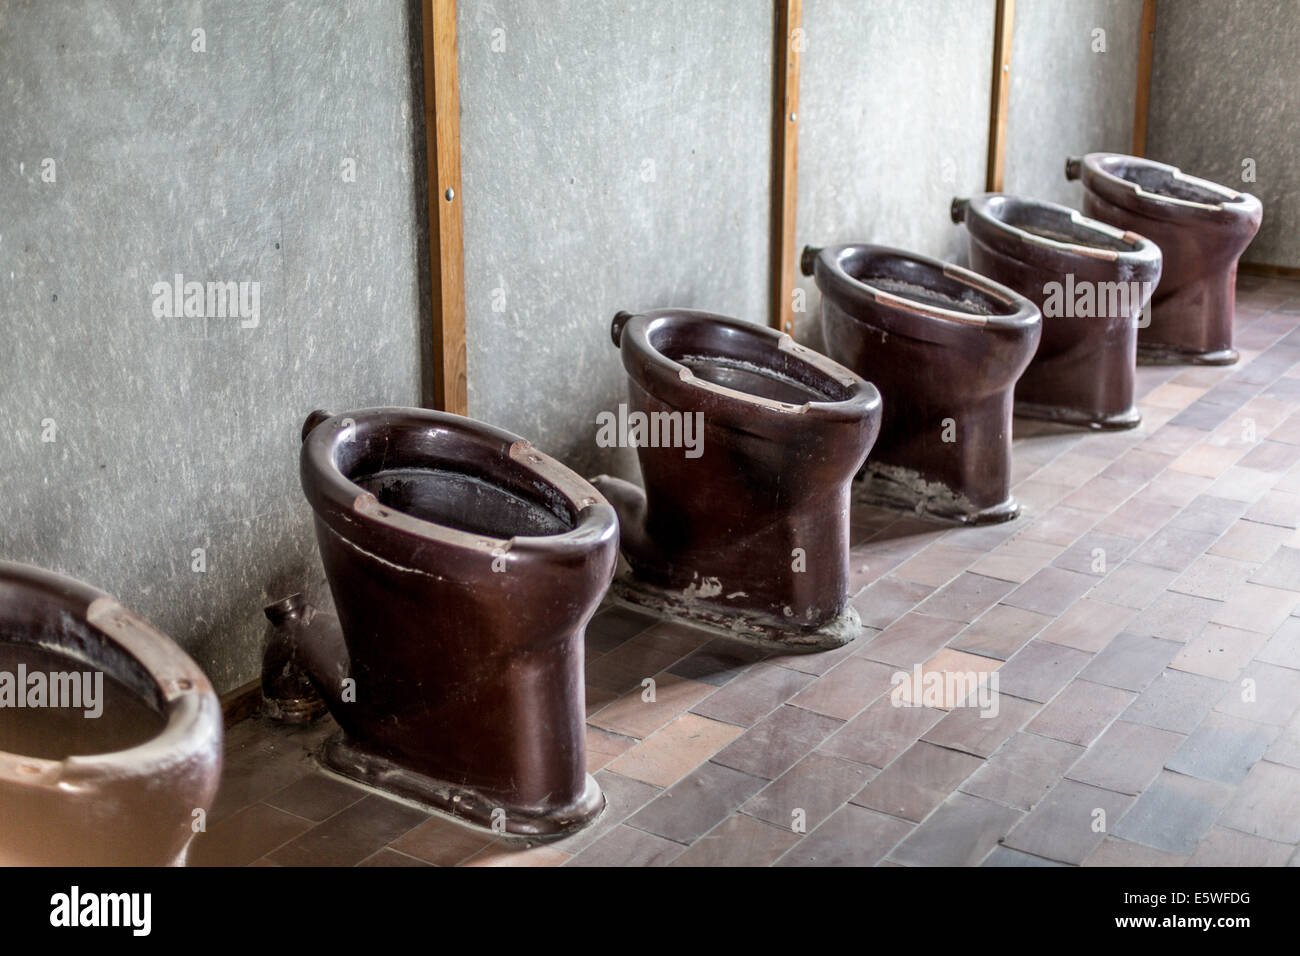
{"type": "Point", "coordinates": [945, 347]}
{"type": "Point", "coordinates": [1191, 312]}
{"type": "Point", "coordinates": [1202, 229]}
{"type": "Point", "coordinates": [917, 470]}
{"type": "Point", "coordinates": [1090, 280]}
{"type": "Point", "coordinates": [743, 613]}
{"type": "Point", "coordinates": [464, 566]}
{"type": "Point", "coordinates": [747, 535]}
{"type": "Point", "coordinates": [390, 777]}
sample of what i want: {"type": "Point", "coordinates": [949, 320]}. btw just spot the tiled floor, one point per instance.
{"type": "Point", "coordinates": [1140, 616]}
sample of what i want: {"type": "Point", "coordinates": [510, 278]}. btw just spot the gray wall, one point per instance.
{"type": "Point", "coordinates": [1226, 87]}
{"type": "Point", "coordinates": [1067, 99]}
{"type": "Point", "coordinates": [894, 106]}
{"type": "Point", "coordinates": [566, 221]}
{"type": "Point", "coordinates": [616, 155]}
{"type": "Point", "coordinates": [182, 433]}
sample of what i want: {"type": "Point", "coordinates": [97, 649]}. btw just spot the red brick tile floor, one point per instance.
{"type": "Point", "coordinates": [1141, 616]}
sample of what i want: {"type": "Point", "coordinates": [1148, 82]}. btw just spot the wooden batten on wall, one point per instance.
{"type": "Point", "coordinates": [446, 235]}
{"type": "Point", "coordinates": [1146, 52]}
{"type": "Point", "coordinates": [1003, 23]}
{"type": "Point", "coordinates": [787, 45]}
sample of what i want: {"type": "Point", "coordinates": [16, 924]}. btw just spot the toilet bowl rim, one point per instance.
{"type": "Point", "coordinates": [862, 402]}
{"type": "Point", "coordinates": [1143, 254]}
{"type": "Point", "coordinates": [192, 727]}
{"type": "Point", "coordinates": [341, 502]}
{"type": "Point", "coordinates": [1025, 315]}
{"type": "Point", "coordinates": [1235, 204]}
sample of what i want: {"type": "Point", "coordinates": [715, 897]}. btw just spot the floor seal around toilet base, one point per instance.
{"type": "Point", "coordinates": [1168, 355]}
{"type": "Point", "coordinates": [732, 623]}
{"type": "Point", "coordinates": [1119, 421]}
{"type": "Point", "coordinates": [341, 756]}
{"type": "Point", "coordinates": [901, 489]}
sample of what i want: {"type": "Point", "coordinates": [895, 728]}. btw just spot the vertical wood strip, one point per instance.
{"type": "Point", "coordinates": [1146, 51]}
{"type": "Point", "coordinates": [1003, 22]}
{"type": "Point", "coordinates": [788, 44]}
{"type": "Point", "coordinates": [446, 236]}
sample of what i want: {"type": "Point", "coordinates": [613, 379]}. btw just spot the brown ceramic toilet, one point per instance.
{"type": "Point", "coordinates": [464, 566]}
{"type": "Point", "coordinates": [745, 532]}
{"type": "Point", "coordinates": [110, 736]}
{"type": "Point", "coordinates": [1090, 281]}
{"type": "Point", "coordinates": [945, 347]}
{"type": "Point", "coordinates": [1202, 229]}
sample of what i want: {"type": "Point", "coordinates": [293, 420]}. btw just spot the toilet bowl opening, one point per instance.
{"type": "Point", "coordinates": [462, 501]}
{"type": "Point", "coordinates": [924, 284]}
{"type": "Point", "coordinates": [752, 379]}
{"type": "Point", "coordinates": [1080, 236]}
{"type": "Point", "coordinates": [455, 478]}
{"type": "Point", "coordinates": [1058, 226]}
{"type": "Point", "coordinates": [746, 362]}
{"type": "Point", "coordinates": [56, 704]}
{"type": "Point", "coordinates": [1162, 182]}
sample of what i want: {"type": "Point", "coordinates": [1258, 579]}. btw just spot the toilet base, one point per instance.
{"type": "Point", "coordinates": [345, 758]}
{"type": "Point", "coordinates": [1129, 418]}
{"type": "Point", "coordinates": [293, 710]}
{"type": "Point", "coordinates": [1171, 355]}
{"type": "Point", "coordinates": [901, 489]}
{"type": "Point", "coordinates": [734, 623]}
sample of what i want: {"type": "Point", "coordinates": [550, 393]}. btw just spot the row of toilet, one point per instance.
{"type": "Point", "coordinates": [465, 564]}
